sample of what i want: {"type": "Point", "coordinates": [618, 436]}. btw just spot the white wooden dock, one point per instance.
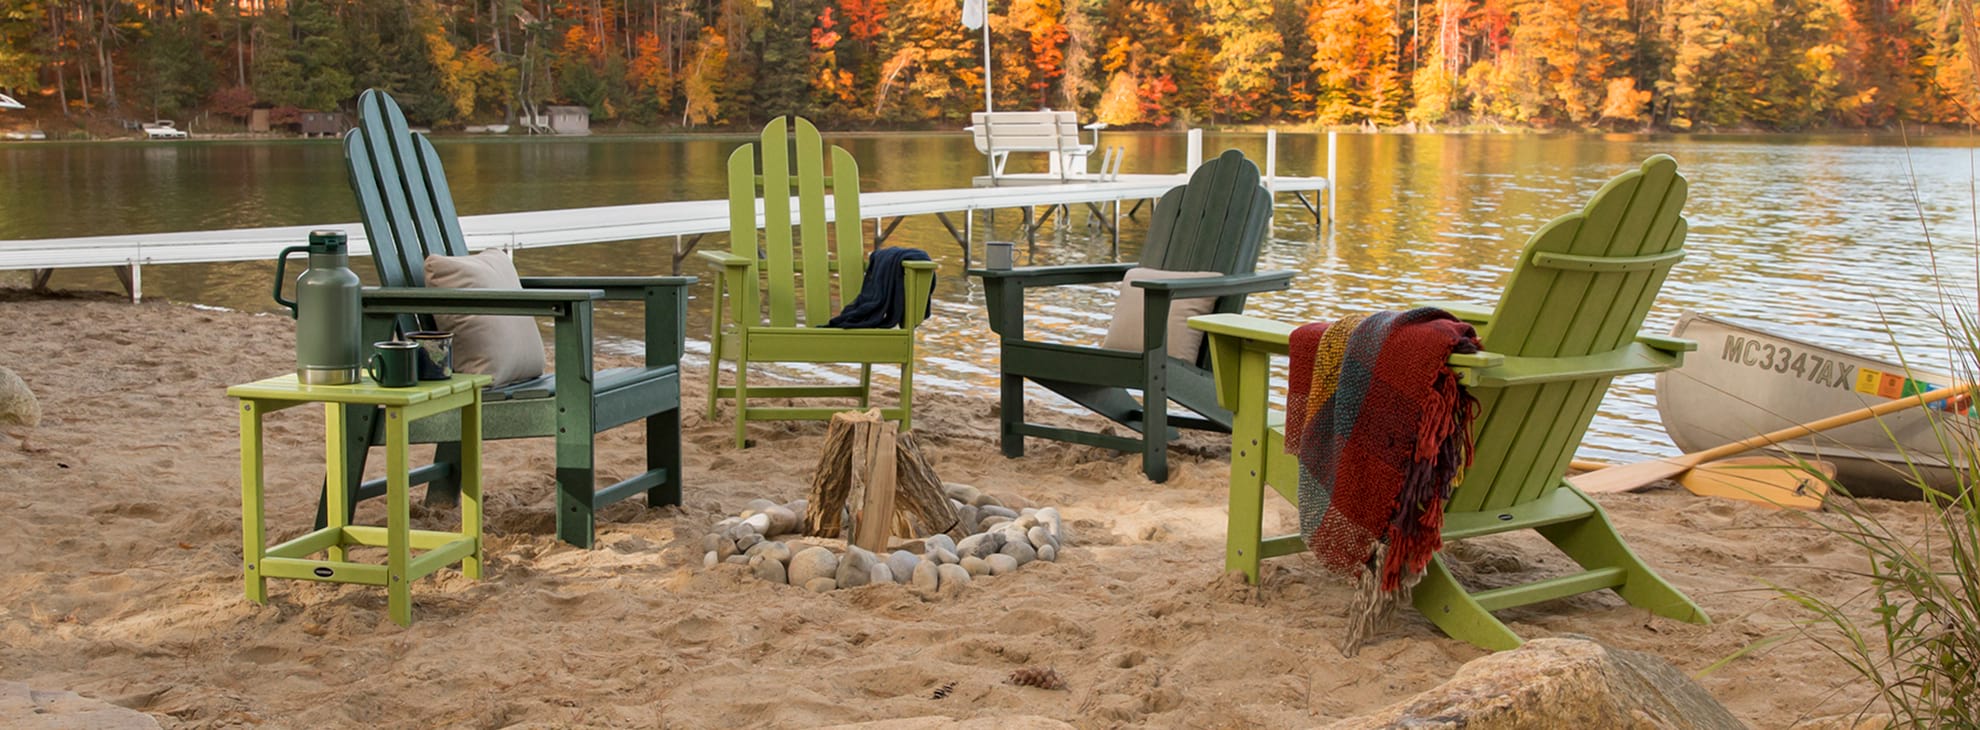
{"type": "Point", "coordinates": [685, 221]}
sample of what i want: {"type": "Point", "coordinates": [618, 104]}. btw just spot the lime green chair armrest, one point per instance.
{"type": "Point", "coordinates": [1668, 343]}
{"type": "Point", "coordinates": [1631, 359]}
{"type": "Point", "coordinates": [1217, 286]}
{"type": "Point", "coordinates": [726, 259]}
{"type": "Point", "coordinates": [920, 277]}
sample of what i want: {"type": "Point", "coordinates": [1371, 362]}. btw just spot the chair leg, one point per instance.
{"type": "Point", "coordinates": [907, 393]}
{"type": "Point", "coordinates": [866, 385]}
{"type": "Point", "coordinates": [446, 491]}
{"type": "Point", "coordinates": [1155, 422]}
{"type": "Point", "coordinates": [663, 451]}
{"type": "Point", "coordinates": [1012, 415]}
{"type": "Point", "coordinates": [714, 374]}
{"type": "Point", "coordinates": [1593, 543]}
{"type": "Point", "coordinates": [742, 404]}
{"type": "Point", "coordinates": [1441, 599]}
{"type": "Point", "coordinates": [1244, 531]}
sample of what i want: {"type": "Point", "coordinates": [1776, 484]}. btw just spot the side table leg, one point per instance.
{"type": "Point", "coordinates": [252, 527]}
{"type": "Point", "coordinates": [336, 498]}
{"type": "Point", "coordinates": [398, 539]}
{"type": "Point", "coordinates": [471, 484]}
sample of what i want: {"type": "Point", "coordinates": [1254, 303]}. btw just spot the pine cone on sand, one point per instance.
{"type": "Point", "coordinates": [19, 412]}
{"type": "Point", "coordinates": [1040, 677]}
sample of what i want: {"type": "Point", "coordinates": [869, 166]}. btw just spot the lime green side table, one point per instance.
{"type": "Point", "coordinates": [402, 406]}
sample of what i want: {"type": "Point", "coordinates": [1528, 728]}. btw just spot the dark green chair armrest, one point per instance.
{"type": "Point", "coordinates": [1030, 276]}
{"type": "Point", "coordinates": [1218, 286]}
{"type": "Point", "coordinates": [516, 302]}
{"type": "Point", "coordinates": [616, 288]}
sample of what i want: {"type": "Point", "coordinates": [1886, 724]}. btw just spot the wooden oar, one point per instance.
{"type": "Point", "coordinates": [1769, 481]}
{"type": "Point", "coordinates": [1636, 476]}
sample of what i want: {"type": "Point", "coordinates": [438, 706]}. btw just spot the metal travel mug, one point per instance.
{"type": "Point", "coordinates": [392, 366]}
{"type": "Point", "coordinates": [436, 354]}
{"type": "Point", "coordinates": [999, 254]}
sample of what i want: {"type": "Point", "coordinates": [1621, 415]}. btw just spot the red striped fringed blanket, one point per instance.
{"type": "Point", "coordinates": [1382, 431]}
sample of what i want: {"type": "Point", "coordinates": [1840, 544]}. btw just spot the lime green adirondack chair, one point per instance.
{"type": "Point", "coordinates": [1565, 326]}
{"type": "Point", "coordinates": [794, 278]}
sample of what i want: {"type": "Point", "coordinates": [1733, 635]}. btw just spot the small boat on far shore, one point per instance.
{"type": "Point", "coordinates": [1744, 381]}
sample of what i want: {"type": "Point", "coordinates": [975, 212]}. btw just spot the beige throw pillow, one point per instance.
{"type": "Point", "coordinates": [508, 349]}
{"type": "Point", "coordinates": [1124, 333]}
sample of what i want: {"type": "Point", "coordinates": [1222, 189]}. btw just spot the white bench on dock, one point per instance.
{"type": "Point", "coordinates": [998, 134]}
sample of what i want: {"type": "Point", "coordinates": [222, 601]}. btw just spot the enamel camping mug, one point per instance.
{"type": "Point", "coordinates": [394, 364]}
{"type": "Point", "coordinates": [999, 255]}
{"type": "Point", "coordinates": [436, 354]}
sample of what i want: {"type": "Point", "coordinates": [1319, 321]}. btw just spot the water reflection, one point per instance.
{"type": "Point", "coordinates": [1816, 238]}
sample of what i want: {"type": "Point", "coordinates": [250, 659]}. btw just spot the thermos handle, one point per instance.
{"type": "Point", "coordinates": [282, 263]}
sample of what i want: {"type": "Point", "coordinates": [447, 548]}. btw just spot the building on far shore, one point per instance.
{"type": "Point", "coordinates": [566, 120]}
{"type": "Point", "coordinates": [329, 124]}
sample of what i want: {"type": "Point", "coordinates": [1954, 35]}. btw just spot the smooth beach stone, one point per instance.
{"type": "Point", "coordinates": [967, 517]}
{"type": "Point", "coordinates": [710, 560]}
{"type": "Point", "coordinates": [983, 501]}
{"type": "Point", "coordinates": [724, 548]}
{"type": "Point", "coordinates": [1020, 551]}
{"type": "Point", "coordinates": [820, 585]}
{"type": "Point", "coordinates": [1002, 563]}
{"type": "Point", "coordinates": [760, 522]}
{"type": "Point", "coordinates": [1049, 553]}
{"type": "Point", "coordinates": [998, 510]}
{"type": "Point", "coordinates": [782, 521]}
{"type": "Point", "coordinates": [960, 492]}
{"type": "Point", "coordinates": [770, 549]}
{"type": "Point", "coordinates": [726, 523]}
{"type": "Point", "coordinates": [1049, 517]}
{"type": "Point", "coordinates": [993, 522]}
{"type": "Point", "coordinates": [902, 563]}
{"type": "Point", "coordinates": [941, 541]}
{"type": "Point", "coordinates": [953, 580]}
{"type": "Point", "coordinates": [881, 574]}
{"type": "Point", "coordinates": [1038, 536]}
{"type": "Point", "coordinates": [797, 507]}
{"type": "Point", "coordinates": [712, 542]}
{"type": "Point", "coordinates": [736, 560]}
{"type": "Point", "coordinates": [944, 557]}
{"type": "Point", "coordinates": [757, 505]}
{"type": "Point", "coordinates": [736, 531]}
{"type": "Point", "coordinates": [811, 563]}
{"type": "Point", "coordinates": [768, 569]}
{"type": "Point", "coordinates": [748, 541]}
{"type": "Point", "coordinates": [1026, 521]}
{"type": "Point", "coordinates": [968, 544]}
{"type": "Point", "coordinates": [856, 567]}
{"type": "Point", "coordinates": [926, 576]}
{"type": "Point", "coordinates": [976, 565]}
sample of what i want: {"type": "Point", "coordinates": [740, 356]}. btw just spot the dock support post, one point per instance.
{"type": "Point", "coordinates": [1116, 230]}
{"type": "Point", "coordinates": [132, 277]}
{"type": "Point", "coordinates": [1333, 182]}
{"type": "Point", "coordinates": [1195, 150]}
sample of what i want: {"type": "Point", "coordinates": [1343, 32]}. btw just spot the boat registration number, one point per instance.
{"type": "Point", "coordinates": [1805, 365]}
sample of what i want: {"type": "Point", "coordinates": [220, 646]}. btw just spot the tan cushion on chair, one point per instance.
{"type": "Point", "coordinates": [508, 349]}
{"type": "Point", "coordinates": [1124, 333]}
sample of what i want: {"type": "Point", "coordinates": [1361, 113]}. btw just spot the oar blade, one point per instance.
{"type": "Point", "coordinates": [1763, 480]}
{"type": "Point", "coordinates": [1629, 477]}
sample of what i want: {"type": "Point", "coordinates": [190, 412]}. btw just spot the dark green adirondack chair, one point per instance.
{"type": "Point", "coordinates": [1565, 326]}
{"type": "Point", "coordinates": [797, 278]}
{"type": "Point", "coordinates": [1214, 223]}
{"type": "Point", "coordinates": [409, 214]}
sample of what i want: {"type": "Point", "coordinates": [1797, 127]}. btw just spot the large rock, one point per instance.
{"type": "Point", "coordinates": [21, 707]}
{"type": "Point", "coordinates": [1558, 682]}
{"type": "Point", "coordinates": [812, 563]}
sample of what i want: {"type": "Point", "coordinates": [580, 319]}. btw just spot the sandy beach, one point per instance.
{"type": "Point", "coordinates": [122, 542]}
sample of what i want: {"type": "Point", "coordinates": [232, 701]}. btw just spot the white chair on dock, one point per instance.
{"type": "Point", "coordinates": [1055, 133]}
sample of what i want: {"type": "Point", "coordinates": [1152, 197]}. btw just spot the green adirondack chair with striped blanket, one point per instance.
{"type": "Point", "coordinates": [1565, 326]}
{"type": "Point", "coordinates": [408, 213]}
{"type": "Point", "coordinates": [776, 292]}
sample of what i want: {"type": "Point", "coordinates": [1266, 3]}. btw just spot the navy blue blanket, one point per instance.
{"type": "Point", "coordinates": [882, 301]}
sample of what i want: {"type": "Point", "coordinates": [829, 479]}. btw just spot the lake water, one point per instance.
{"type": "Point", "coordinates": [1820, 238]}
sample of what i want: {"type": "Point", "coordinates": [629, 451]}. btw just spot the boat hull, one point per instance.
{"type": "Point", "coordinates": [1744, 381]}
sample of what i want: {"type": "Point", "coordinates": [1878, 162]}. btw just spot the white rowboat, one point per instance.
{"type": "Point", "coordinates": [1744, 381]}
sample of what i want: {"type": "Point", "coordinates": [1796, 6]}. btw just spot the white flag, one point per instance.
{"type": "Point", "coordinates": [973, 12]}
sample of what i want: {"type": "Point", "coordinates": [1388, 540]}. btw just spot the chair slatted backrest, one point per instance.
{"type": "Point", "coordinates": [402, 195]}
{"type": "Point", "coordinates": [811, 257]}
{"type": "Point", "coordinates": [1582, 287]}
{"type": "Point", "coordinates": [1214, 223]}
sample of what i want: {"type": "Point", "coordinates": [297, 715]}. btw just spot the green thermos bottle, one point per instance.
{"type": "Point", "coordinates": [329, 336]}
